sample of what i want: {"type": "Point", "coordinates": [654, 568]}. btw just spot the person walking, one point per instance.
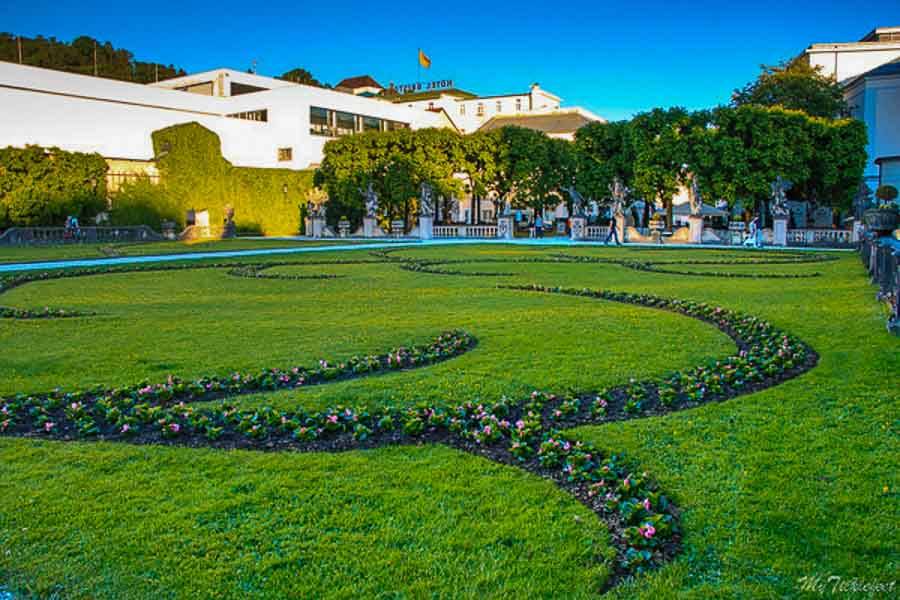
{"type": "Point", "coordinates": [612, 232]}
{"type": "Point", "coordinates": [538, 226]}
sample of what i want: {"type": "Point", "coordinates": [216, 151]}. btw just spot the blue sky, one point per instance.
{"type": "Point", "coordinates": [612, 58]}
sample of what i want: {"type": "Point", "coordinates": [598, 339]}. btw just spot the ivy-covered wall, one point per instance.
{"type": "Point", "coordinates": [42, 186]}
{"type": "Point", "coordinates": [195, 175]}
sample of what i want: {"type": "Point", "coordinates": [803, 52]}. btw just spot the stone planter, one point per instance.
{"type": "Point", "coordinates": [657, 226]}
{"type": "Point", "coordinates": [881, 220]}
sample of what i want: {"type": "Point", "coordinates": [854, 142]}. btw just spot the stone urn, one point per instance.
{"type": "Point", "coordinates": [881, 220]}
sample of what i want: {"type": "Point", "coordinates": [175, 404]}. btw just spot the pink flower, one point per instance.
{"type": "Point", "coordinates": [174, 427]}
{"type": "Point", "coordinates": [49, 425]}
{"type": "Point", "coordinates": [648, 531]}
{"type": "Point", "coordinates": [332, 419]}
{"type": "Point", "coordinates": [125, 428]}
{"type": "Point", "coordinates": [487, 430]}
{"type": "Point", "coordinates": [520, 424]}
{"type": "Point", "coordinates": [647, 504]}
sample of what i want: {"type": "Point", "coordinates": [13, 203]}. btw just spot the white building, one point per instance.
{"type": "Point", "coordinates": [869, 70]}
{"type": "Point", "coordinates": [262, 122]}
{"type": "Point", "coordinates": [470, 112]}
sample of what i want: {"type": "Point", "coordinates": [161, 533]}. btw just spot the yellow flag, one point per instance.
{"type": "Point", "coordinates": [424, 60]}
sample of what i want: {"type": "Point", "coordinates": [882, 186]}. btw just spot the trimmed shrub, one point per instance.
{"type": "Point", "coordinates": [195, 176]}
{"type": "Point", "coordinates": [41, 186]}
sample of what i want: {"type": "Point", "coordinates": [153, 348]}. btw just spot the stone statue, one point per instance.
{"type": "Point", "coordinates": [617, 190]}
{"type": "Point", "coordinates": [426, 200]}
{"type": "Point", "coordinates": [779, 207]}
{"type": "Point", "coordinates": [229, 228]}
{"type": "Point", "coordinates": [695, 198]}
{"type": "Point", "coordinates": [577, 201]}
{"type": "Point", "coordinates": [371, 200]}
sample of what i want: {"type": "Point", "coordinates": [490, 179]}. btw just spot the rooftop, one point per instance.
{"type": "Point", "coordinates": [431, 95]}
{"type": "Point", "coordinates": [555, 122]}
{"type": "Point", "coordinates": [360, 81]}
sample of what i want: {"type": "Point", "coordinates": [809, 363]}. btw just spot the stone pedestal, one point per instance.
{"type": "Point", "coordinates": [620, 227]}
{"type": "Point", "coordinates": [579, 228]}
{"type": "Point", "coordinates": [319, 228]}
{"type": "Point", "coordinates": [371, 228]}
{"type": "Point", "coordinates": [779, 231]}
{"type": "Point", "coordinates": [505, 228]}
{"type": "Point", "coordinates": [695, 227]}
{"type": "Point", "coordinates": [426, 227]}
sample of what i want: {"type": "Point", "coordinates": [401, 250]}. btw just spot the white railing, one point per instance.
{"type": "Point", "coordinates": [465, 231]}
{"type": "Point", "coordinates": [804, 237]}
{"type": "Point", "coordinates": [595, 232]}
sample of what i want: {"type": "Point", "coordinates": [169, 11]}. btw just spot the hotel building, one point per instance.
{"type": "Point", "coordinates": [869, 71]}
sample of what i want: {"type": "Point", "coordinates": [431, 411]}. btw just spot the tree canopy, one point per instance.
{"type": "Point", "coordinates": [303, 76]}
{"type": "Point", "coordinates": [794, 85]}
{"type": "Point", "coordinates": [77, 56]}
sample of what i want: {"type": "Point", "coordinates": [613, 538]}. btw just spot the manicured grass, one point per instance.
{"type": "Point", "coordinates": [798, 480]}
{"type": "Point", "coordinates": [10, 254]}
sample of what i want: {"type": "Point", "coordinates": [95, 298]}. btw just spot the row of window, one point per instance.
{"type": "Point", "coordinates": [335, 123]}
{"type": "Point", "coordinates": [252, 115]}
{"type": "Point", "coordinates": [479, 108]}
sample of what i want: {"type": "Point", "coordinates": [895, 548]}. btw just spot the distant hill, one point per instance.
{"type": "Point", "coordinates": [77, 56]}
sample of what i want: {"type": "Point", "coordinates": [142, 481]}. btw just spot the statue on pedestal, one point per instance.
{"type": "Point", "coordinates": [371, 200]}
{"type": "Point", "coordinates": [578, 202]}
{"type": "Point", "coordinates": [695, 197]}
{"type": "Point", "coordinates": [426, 200]}
{"type": "Point", "coordinates": [778, 206]}
{"type": "Point", "coordinates": [228, 228]}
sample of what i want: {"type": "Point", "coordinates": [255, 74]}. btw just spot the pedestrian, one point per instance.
{"type": "Point", "coordinates": [612, 232]}
{"type": "Point", "coordinates": [538, 226]}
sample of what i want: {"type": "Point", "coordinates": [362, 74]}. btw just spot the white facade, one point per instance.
{"type": "Point", "coordinates": [845, 61]}
{"type": "Point", "coordinates": [870, 72]}
{"type": "Point", "coordinates": [469, 112]}
{"type": "Point", "coordinates": [116, 119]}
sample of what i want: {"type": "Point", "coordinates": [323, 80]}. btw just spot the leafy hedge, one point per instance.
{"type": "Point", "coordinates": [41, 186]}
{"type": "Point", "coordinates": [195, 175]}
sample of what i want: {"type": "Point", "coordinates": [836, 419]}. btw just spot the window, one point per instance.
{"type": "Point", "coordinates": [285, 154]}
{"type": "Point", "coordinates": [395, 125]}
{"type": "Point", "coordinates": [252, 115]}
{"type": "Point", "coordinates": [462, 110]}
{"type": "Point", "coordinates": [518, 105]}
{"type": "Point", "coordinates": [371, 124]}
{"type": "Point", "coordinates": [499, 106]}
{"type": "Point", "coordinates": [346, 123]}
{"type": "Point", "coordinates": [479, 110]}
{"type": "Point", "coordinates": [320, 120]}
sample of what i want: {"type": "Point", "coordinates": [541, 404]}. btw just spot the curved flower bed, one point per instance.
{"type": "Point", "coordinates": [529, 433]}
{"type": "Point", "coordinates": [26, 314]}
{"type": "Point", "coordinates": [256, 271]}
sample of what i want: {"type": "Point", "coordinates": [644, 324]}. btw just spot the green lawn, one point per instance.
{"type": "Point", "coordinates": [797, 480]}
{"type": "Point", "coordinates": [11, 254]}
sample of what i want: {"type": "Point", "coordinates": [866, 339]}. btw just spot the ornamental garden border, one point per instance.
{"type": "Point", "coordinates": [644, 524]}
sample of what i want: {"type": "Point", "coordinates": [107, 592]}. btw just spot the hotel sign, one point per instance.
{"type": "Point", "coordinates": [421, 86]}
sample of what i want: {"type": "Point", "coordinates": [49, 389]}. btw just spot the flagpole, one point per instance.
{"type": "Point", "coordinates": [418, 66]}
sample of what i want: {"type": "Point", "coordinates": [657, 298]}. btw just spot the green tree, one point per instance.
{"type": "Point", "coordinates": [794, 85]}
{"type": "Point", "coordinates": [303, 76]}
{"type": "Point", "coordinates": [661, 146]}
{"type": "Point", "coordinates": [604, 151]}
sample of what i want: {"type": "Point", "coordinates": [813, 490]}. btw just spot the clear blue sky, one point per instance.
{"type": "Point", "coordinates": [614, 58]}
